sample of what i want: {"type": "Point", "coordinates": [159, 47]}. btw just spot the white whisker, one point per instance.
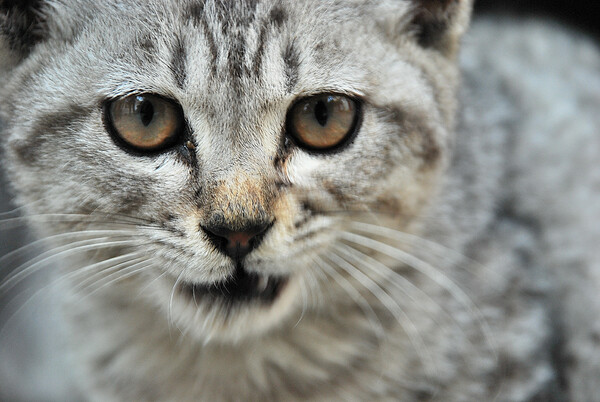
{"type": "Point", "coordinates": [170, 313]}
{"type": "Point", "coordinates": [124, 273]}
{"type": "Point", "coordinates": [78, 234]}
{"type": "Point", "coordinates": [314, 285]}
{"type": "Point", "coordinates": [420, 298]}
{"type": "Point", "coordinates": [113, 219]}
{"type": "Point", "coordinates": [55, 280]}
{"type": "Point", "coordinates": [359, 299]}
{"type": "Point", "coordinates": [103, 274]}
{"type": "Point", "coordinates": [429, 271]}
{"type": "Point", "coordinates": [18, 210]}
{"type": "Point", "coordinates": [425, 244]}
{"type": "Point", "coordinates": [304, 296]}
{"type": "Point", "coordinates": [391, 305]}
{"type": "Point", "coordinates": [156, 278]}
{"type": "Point", "coordinates": [37, 263]}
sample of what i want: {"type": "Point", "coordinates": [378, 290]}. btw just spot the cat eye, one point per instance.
{"type": "Point", "coordinates": [144, 123]}
{"type": "Point", "coordinates": [323, 122]}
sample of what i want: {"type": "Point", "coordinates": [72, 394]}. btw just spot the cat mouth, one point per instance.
{"type": "Point", "coordinates": [241, 287]}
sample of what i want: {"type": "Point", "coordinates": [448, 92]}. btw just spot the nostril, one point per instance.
{"type": "Point", "coordinates": [236, 243]}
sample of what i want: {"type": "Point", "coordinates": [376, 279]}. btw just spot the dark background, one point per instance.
{"type": "Point", "coordinates": [581, 14]}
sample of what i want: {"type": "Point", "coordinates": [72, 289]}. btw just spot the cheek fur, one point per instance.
{"type": "Point", "coordinates": [387, 271]}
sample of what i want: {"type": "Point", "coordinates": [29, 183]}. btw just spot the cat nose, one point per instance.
{"type": "Point", "coordinates": [237, 243]}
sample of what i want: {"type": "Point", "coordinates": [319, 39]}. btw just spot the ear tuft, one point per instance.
{"type": "Point", "coordinates": [440, 23]}
{"type": "Point", "coordinates": [21, 25]}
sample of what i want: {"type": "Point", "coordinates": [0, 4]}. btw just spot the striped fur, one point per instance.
{"type": "Point", "coordinates": [364, 315]}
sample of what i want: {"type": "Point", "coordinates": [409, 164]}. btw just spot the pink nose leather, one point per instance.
{"type": "Point", "coordinates": [236, 244]}
{"type": "Point", "coordinates": [239, 239]}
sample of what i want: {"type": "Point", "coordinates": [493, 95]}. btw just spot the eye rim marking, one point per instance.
{"type": "Point", "coordinates": [178, 138]}
{"type": "Point", "coordinates": [348, 138]}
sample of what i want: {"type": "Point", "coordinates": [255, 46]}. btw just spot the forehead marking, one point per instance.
{"type": "Point", "coordinates": [277, 17]}
{"type": "Point", "coordinates": [197, 15]}
{"type": "Point", "coordinates": [232, 20]}
{"type": "Point", "coordinates": [178, 63]}
{"type": "Point", "coordinates": [291, 59]}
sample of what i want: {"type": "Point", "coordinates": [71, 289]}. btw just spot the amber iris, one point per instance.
{"type": "Point", "coordinates": [145, 122]}
{"type": "Point", "coordinates": [323, 122]}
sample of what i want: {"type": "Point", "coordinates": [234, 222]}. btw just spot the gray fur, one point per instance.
{"type": "Point", "coordinates": [496, 172]}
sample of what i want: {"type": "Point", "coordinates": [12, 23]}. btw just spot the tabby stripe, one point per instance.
{"type": "Point", "coordinates": [178, 63]}
{"type": "Point", "coordinates": [196, 14]}
{"type": "Point", "coordinates": [46, 127]}
{"type": "Point", "coordinates": [276, 19]}
{"type": "Point", "coordinates": [278, 16]}
{"type": "Point", "coordinates": [416, 125]}
{"type": "Point", "coordinates": [291, 59]}
{"type": "Point", "coordinates": [260, 50]}
{"type": "Point", "coordinates": [237, 51]}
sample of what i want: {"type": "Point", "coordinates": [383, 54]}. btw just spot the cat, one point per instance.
{"type": "Point", "coordinates": [309, 200]}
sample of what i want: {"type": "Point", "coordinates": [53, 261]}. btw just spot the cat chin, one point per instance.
{"type": "Point", "coordinates": [214, 318]}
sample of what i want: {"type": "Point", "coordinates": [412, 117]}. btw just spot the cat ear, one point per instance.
{"type": "Point", "coordinates": [440, 24]}
{"type": "Point", "coordinates": [22, 26]}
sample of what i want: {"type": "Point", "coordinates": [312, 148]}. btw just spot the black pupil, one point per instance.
{"type": "Point", "coordinates": [146, 112]}
{"type": "Point", "coordinates": [321, 113]}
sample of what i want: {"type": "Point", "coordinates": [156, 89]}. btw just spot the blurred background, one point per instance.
{"type": "Point", "coordinates": [31, 353]}
{"type": "Point", "coordinates": [580, 14]}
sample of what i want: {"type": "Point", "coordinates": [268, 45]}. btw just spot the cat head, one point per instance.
{"type": "Point", "coordinates": [216, 152]}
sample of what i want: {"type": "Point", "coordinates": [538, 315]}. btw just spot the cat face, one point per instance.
{"type": "Point", "coordinates": [220, 152]}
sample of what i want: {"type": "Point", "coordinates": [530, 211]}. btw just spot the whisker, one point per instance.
{"type": "Point", "coordinates": [304, 297]}
{"type": "Point", "coordinates": [426, 244]}
{"type": "Point", "coordinates": [391, 305]}
{"type": "Point", "coordinates": [17, 210]}
{"type": "Point", "coordinates": [170, 314]}
{"type": "Point", "coordinates": [93, 218]}
{"type": "Point", "coordinates": [429, 271]}
{"type": "Point", "coordinates": [316, 296]}
{"type": "Point", "coordinates": [121, 260]}
{"type": "Point", "coordinates": [8, 306]}
{"type": "Point", "coordinates": [82, 270]}
{"type": "Point", "coordinates": [55, 280]}
{"type": "Point", "coordinates": [156, 278]}
{"type": "Point", "coordinates": [57, 237]}
{"type": "Point", "coordinates": [123, 273]}
{"type": "Point", "coordinates": [359, 299]}
{"type": "Point", "coordinates": [401, 283]}
{"type": "Point", "coordinates": [35, 264]}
